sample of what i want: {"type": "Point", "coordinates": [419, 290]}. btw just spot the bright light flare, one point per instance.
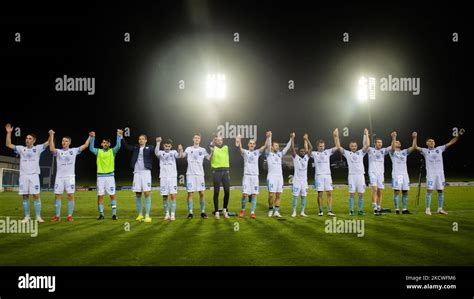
{"type": "Point", "coordinates": [366, 89]}
{"type": "Point", "coordinates": [362, 90]}
{"type": "Point", "coordinates": [216, 86]}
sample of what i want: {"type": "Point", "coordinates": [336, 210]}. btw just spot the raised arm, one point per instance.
{"type": "Point", "coordinates": [337, 142]}
{"type": "Point", "coordinates": [183, 153]}
{"type": "Point", "coordinates": [413, 146]}
{"type": "Point", "coordinates": [264, 147]}
{"type": "Point", "coordinates": [365, 141]}
{"type": "Point", "coordinates": [85, 145]}
{"type": "Point", "coordinates": [293, 151]}
{"type": "Point", "coordinates": [269, 142]}
{"type": "Point", "coordinates": [308, 147]}
{"type": "Point", "coordinates": [238, 143]}
{"type": "Point", "coordinates": [118, 143]}
{"type": "Point", "coordinates": [52, 147]}
{"type": "Point", "coordinates": [157, 147]}
{"type": "Point", "coordinates": [46, 144]}
{"type": "Point", "coordinates": [8, 141]}
{"type": "Point", "coordinates": [455, 139]}
{"type": "Point", "coordinates": [394, 139]}
{"type": "Point", "coordinates": [213, 142]}
{"type": "Point", "coordinates": [180, 151]}
{"type": "Point", "coordinates": [209, 156]}
{"type": "Point", "coordinates": [287, 147]}
{"type": "Point", "coordinates": [91, 144]}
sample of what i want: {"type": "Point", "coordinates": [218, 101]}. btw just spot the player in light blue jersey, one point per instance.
{"type": "Point", "coordinates": [250, 181]}
{"type": "Point", "coordinates": [435, 170]}
{"type": "Point", "coordinates": [29, 171]}
{"type": "Point", "coordinates": [377, 172]}
{"type": "Point", "coordinates": [400, 178]}
{"type": "Point", "coordinates": [168, 174]}
{"type": "Point", "coordinates": [356, 179]}
{"type": "Point", "coordinates": [65, 173]}
{"type": "Point", "coordinates": [322, 172]}
{"type": "Point", "coordinates": [275, 180]}
{"type": "Point", "coordinates": [300, 177]}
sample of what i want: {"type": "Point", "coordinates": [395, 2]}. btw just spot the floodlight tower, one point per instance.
{"type": "Point", "coordinates": [216, 86]}
{"type": "Point", "coordinates": [366, 93]}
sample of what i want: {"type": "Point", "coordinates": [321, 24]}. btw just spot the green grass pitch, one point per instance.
{"type": "Point", "coordinates": [391, 239]}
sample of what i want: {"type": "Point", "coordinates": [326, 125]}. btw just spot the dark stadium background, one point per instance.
{"type": "Point", "coordinates": [136, 83]}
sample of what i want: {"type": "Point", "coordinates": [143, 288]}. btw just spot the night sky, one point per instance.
{"type": "Point", "coordinates": [137, 82]}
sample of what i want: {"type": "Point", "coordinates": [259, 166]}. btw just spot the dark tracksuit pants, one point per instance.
{"type": "Point", "coordinates": [221, 176]}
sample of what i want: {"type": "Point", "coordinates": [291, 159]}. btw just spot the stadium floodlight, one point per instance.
{"type": "Point", "coordinates": [365, 91]}
{"type": "Point", "coordinates": [372, 88]}
{"type": "Point", "coordinates": [216, 86]}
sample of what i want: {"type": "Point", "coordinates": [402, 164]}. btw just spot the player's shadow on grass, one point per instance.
{"type": "Point", "coordinates": [280, 241]}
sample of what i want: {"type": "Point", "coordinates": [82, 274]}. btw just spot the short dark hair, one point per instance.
{"type": "Point", "coordinates": [67, 137]}
{"type": "Point", "coordinates": [353, 142]}
{"type": "Point", "coordinates": [197, 134]}
{"type": "Point", "coordinates": [429, 139]}
{"type": "Point", "coordinates": [107, 139]}
{"type": "Point", "coordinates": [32, 135]}
{"type": "Point", "coordinates": [143, 136]}
{"type": "Point", "coordinates": [320, 141]}
{"type": "Point", "coordinates": [377, 138]}
{"type": "Point", "coordinates": [168, 141]}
